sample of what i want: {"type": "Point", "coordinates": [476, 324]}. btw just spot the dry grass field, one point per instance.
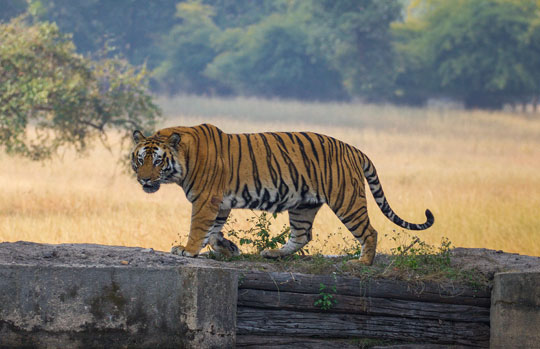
{"type": "Point", "coordinates": [479, 173]}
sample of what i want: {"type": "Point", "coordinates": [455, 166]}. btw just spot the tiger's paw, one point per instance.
{"type": "Point", "coordinates": [222, 246]}
{"type": "Point", "coordinates": [273, 254]}
{"type": "Point", "coordinates": [360, 262]}
{"type": "Point", "coordinates": [180, 251]}
{"type": "Point", "coordinates": [226, 253]}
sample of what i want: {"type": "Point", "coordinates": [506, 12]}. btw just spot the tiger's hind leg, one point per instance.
{"type": "Point", "coordinates": [358, 224]}
{"type": "Point", "coordinates": [217, 241]}
{"type": "Point", "coordinates": [368, 240]}
{"type": "Point", "coordinates": [301, 222]}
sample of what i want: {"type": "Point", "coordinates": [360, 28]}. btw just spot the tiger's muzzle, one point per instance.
{"type": "Point", "coordinates": [149, 186]}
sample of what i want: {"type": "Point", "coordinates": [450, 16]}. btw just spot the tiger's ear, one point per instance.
{"type": "Point", "coordinates": [173, 140]}
{"type": "Point", "coordinates": [138, 136]}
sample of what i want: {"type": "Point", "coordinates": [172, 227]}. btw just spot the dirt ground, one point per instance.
{"type": "Point", "coordinates": [488, 262]}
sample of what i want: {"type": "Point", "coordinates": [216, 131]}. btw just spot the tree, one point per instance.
{"type": "Point", "coordinates": [313, 49]}
{"type": "Point", "coordinates": [415, 81]}
{"type": "Point", "coordinates": [482, 52]}
{"type": "Point", "coordinates": [354, 36]}
{"type": "Point", "coordinates": [51, 97]}
{"type": "Point", "coordinates": [206, 30]}
{"type": "Point", "coordinates": [242, 13]}
{"type": "Point", "coordinates": [133, 27]}
{"type": "Point", "coordinates": [188, 49]}
{"type": "Point", "coordinates": [273, 59]}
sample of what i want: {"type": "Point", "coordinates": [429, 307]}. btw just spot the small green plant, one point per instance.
{"type": "Point", "coordinates": [327, 300]}
{"type": "Point", "coordinates": [353, 251]}
{"type": "Point", "coordinates": [420, 260]}
{"type": "Point", "coordinates": [259, 235]}
{"type": "Point", "coordinates": [420, 256]}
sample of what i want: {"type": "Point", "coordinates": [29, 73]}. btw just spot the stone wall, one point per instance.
{"type": "Point", "coordinates": [515, 310]}
{"type": "Point", "coordinates": [80, 295]}
{"type": "Point", "coordinates": [105, 298]}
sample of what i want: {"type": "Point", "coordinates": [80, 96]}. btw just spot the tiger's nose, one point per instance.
{"type": "Point", "coordinates": [144, 181]}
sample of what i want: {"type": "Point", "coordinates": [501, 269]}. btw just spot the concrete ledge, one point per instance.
{"type": "Point", "coordinates": [82, 295]}
{"type": "Point", "coordinates": [515, 310]}
{"type": "Point", "coordinates": [75, 306]}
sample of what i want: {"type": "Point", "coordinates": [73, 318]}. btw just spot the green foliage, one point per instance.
{"type": "Point", "coordinates": [273, 59]}
{"type": "Point", "coordinates": [51, 96]}
{"type": "Point", "coordinates": [415, 81]}
{"type": "Point", "coordinates": [242, 13]}
{"type": "Point", "coordinates": [354, 250]}
{"type": "Point", "coordinates": [188, 49]}
{"type": "Point", "coordinates": [259, 235]}
{"type": "Point", "coordinates": [481, 52]}
{"type": "Point", "coordinates": [354, 36]}
{"type": "Point", "coordinates": [327, 299]}
{"type": "Point", "coordinates": [414, 259]}
{"type": "Point", "coordinates": [296, 49]}
{"type": "Point", "coordinates": [133, 27]}
{"type": "Point", "coordinates": [416, 255]}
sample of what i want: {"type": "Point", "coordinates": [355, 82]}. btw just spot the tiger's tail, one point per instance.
{"type": "Point", "coordinates": [376, 189]}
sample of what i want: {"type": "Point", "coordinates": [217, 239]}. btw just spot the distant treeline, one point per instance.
{"type": "Point", "coordinates": [484, 53]}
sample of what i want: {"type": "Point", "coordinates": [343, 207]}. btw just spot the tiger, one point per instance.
{"type": "Point", "coordinates": [296, 172]}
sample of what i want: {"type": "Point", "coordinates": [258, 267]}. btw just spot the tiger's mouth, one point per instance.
{"type": "Point", "coordinates": [151, 188]}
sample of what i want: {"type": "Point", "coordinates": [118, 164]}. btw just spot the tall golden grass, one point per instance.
{"type": "Point", "coordinates": [479, 173]}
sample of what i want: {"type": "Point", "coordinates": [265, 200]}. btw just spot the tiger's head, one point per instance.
{"type": "Point", "coordinates": [155, 160]}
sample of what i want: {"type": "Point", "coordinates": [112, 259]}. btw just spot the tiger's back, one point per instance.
{"type": "Point", "coordinates": [278, 171]}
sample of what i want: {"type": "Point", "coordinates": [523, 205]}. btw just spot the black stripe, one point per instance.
{"type": "Point", "coordinates": [312, 145]}
{"type": "Point", "coordinates": [255, 172]}
{"type": "Point", "coordinates": [269, 155]}
{"type": "Point", "coordinates": [304, 156]}
{"type": "Point", "coordinates": [239, 140]}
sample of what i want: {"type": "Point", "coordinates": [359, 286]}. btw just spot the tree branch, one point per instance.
{"type": "Point", "coordinates": [97, 127]}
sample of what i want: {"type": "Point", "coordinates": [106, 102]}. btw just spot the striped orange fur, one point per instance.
{"type": "Point", "coordinates": [296, 172]}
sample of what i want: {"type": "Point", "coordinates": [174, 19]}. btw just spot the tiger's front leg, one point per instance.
{"type": "Point", "coordinates": [203, 216]}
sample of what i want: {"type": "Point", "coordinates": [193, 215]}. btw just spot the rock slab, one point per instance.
{"type": "Point", "coordinates": [515, 310]}
{"type": "Point", "coordinates": [55, 305]}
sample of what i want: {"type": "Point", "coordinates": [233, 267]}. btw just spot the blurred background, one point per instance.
{"type": "Point", "coordinates": [442, 95]}
{"type": "Point", "coordinates": [479, 54]}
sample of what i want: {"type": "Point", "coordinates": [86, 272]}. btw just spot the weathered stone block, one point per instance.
{"type": "Point", "coordinates": [53, 306]}
{"type": "Point", "coordinates": [515, 310]}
